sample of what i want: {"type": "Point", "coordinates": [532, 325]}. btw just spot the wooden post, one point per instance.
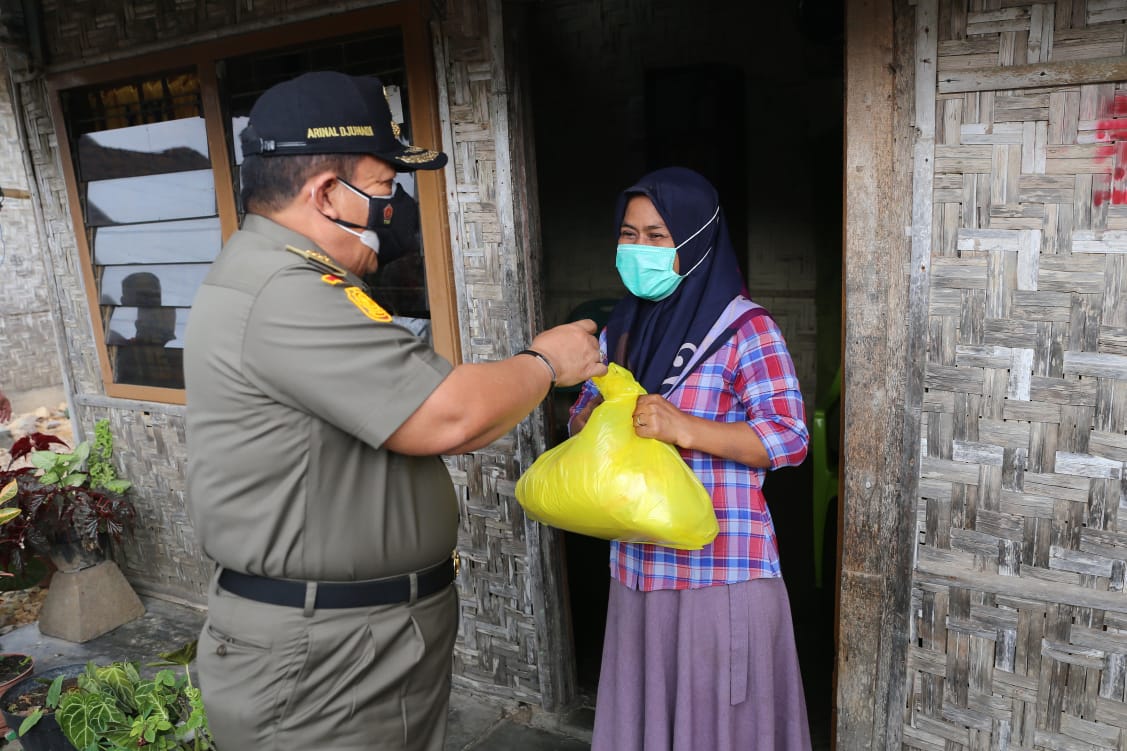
{"type": "Point", "coordinates": [14, 193]}
{"type": "Point", "coordinates": [877, 509]}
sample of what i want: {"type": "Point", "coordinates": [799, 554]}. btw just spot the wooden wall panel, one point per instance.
{"type": "Point", "coordinates": [875, 524]}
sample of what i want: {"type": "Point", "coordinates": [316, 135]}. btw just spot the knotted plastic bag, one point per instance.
{"type": "Point", "coordinates": [607, 482]}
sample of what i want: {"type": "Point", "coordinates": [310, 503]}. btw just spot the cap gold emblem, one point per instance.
{"type": "Point", "coordinates": [417, 155]}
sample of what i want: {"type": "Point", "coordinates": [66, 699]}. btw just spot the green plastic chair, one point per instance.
{"type": "Point", "coordinates": [825, 471]}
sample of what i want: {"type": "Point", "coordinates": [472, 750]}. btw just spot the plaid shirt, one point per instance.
{"type": "Point", "coordinates": [750, 378]}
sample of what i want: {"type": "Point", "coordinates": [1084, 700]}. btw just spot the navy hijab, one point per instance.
{"type": "Point", "coordinates": [655, 340]}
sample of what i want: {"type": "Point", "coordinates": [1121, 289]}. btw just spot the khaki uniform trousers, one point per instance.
{"type": "Point", "coordinates": [350, 679]}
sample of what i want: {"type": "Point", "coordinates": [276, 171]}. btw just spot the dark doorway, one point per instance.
{"type": "Point", "coordinates": [619, 88]}
{"type": "Point", "coordinates": [588, 581]}
{"type": "Point", "coordinates": [709, 136]}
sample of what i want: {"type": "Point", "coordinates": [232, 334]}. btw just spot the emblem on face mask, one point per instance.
{"type": "Point", "coordinates": [387, 212]}
{"type": "Point", "coordinates": [367, 305]}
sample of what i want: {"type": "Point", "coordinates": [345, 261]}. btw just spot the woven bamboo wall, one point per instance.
{"type": "Point", "coordinates": [163, 558]}
{"type": "Point", "coordinates": [84, 30]}
{"type": "Point", "coordinates": [499, 649]}
{"type": "Point", "coordinates": [1019, 616]}
{"type": "Point", "coordinates": [28, 345]}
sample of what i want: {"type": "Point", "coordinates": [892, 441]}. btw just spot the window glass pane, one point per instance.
{"type": "Point", "coordinates": [162, 327]}
{"type": "Point", "coordinates": [400, 287]}
{"type": "Point", "coordinates": [188, 240]}
{"type": "Point", "coordinates": [149, 365]}
{"type": "Point", "coordinates": [148, 192]}
{"type": "Point", "coordinates": [147, 99]}
{"type": "Point", "coordinates": [147, 346]}
{"type": "Point", "coordinates": [177, 195]}
{"type": "Point", "coordinates": [152, 286]}
{"type": "Point", "coordinates": [238, 125]}
{"type": "Point", "coordinates": [172, 146]}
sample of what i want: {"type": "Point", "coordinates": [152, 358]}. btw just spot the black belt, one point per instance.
{"type": "Point", "coordinates": [358, 594]}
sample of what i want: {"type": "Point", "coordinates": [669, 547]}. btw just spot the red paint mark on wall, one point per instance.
{"type": "Point", "coordinates": [1119, 175]}
{"type": "Point", "coordinates": [1113, 133]}
{"type": "Point", "coordinates": [1108, 132]}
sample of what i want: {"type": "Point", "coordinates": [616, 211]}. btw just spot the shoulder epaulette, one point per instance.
{"type": "Point", "coordinates": [318, 260]}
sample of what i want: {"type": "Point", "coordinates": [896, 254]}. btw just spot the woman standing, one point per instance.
{"type": "Point", "coordinates": [699, 650]}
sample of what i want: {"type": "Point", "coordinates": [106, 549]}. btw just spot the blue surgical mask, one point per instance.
{"type": "Point", "coordinates": [647, 270]}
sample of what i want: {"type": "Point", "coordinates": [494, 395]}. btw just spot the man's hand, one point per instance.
{"type": "Point", "coordinates": [573, 351]}
{"type": "Point", "coordinates": [5, 408]}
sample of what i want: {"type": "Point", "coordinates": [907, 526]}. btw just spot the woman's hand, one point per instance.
{"type": "Point", "coordinates": [580, 419]}
{"type": "Point", "coordinates": [655, 417]}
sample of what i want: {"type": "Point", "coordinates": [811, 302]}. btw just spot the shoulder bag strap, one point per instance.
{"type": "Point", "coordinates": [719, 341]}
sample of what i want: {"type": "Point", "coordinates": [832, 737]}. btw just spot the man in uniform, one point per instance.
{"type": "Point", "coordinates": [315, 429]}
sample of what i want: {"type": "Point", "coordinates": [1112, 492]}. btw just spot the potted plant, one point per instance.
{"type": "Point", "coordinates": [27, 709]}
{"type": "Point", "coordinates": [74, 506]}
{"type": "Point", "coordinates": [14, 667]}
{"type": "Point", "coordinates": [104, 708]}
{"type": "Point", "coordinates": [72, 503]}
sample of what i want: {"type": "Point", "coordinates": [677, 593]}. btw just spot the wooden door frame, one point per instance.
{"type": "Point", "coordinates": [882, 377]}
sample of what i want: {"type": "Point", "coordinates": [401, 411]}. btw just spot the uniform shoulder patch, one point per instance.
{"type": "Point", "coordinates": [332, 279]}
{"type": "Point", "coordinates": [367, 305]}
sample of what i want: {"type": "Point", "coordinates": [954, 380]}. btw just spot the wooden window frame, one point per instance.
{"type": "Point", "coordinates": [410, 16]}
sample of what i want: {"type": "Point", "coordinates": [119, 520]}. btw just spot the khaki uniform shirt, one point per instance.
{"type": "Point", "coordinates": [295, 378]}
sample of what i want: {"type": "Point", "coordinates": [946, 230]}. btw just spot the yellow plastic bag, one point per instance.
{"type": "Point", "coordinates": [607, 482]}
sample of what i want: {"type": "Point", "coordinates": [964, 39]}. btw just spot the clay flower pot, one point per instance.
{"type": "Point", "coordinates": [25, 695]}
{"type": "Point", "coordinates": [14, 667]}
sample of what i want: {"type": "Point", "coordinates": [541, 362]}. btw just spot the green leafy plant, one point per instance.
{"type": "Point", "coordinates": [115, 708]}
{"type": "Point", "coordinates": [8, 513]}
{"type": "Point", "coordinates": [64, 496]}
{"type": "Point", "coordinates": [60, 468]}
{"type": "Point", "coordinates": [102, 472]}
{"type": "Point", "coordinates": [7, 495]}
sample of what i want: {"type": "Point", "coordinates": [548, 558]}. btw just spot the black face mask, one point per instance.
{"type": "Point", "coordinates": [392, 230]}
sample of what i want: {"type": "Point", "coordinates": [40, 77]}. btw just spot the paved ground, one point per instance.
{"type": "Point", "coordinates": [475, 723]}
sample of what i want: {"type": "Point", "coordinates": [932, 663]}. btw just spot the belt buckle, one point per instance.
{"type": "Point", "coordinates": [457, 562]}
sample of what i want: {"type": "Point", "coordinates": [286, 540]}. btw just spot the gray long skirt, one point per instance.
{"type": "Point", "coordinates": [712, 669]}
